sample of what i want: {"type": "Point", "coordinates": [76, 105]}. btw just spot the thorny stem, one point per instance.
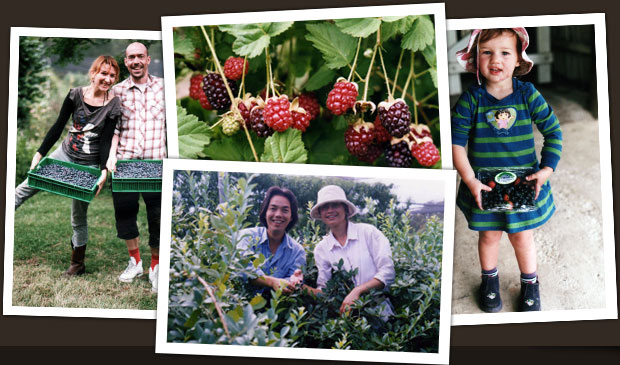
{"type": "Point", "coordinates": [230, 94]}
{"type": "Point", "coordinates": [217, 306]}
{"type": "Point", "coordinates": [400, 58]}
{"type": "Point", "coordinates": [357, 52]}
{"type": "Point", "coordinates": [366, 81]}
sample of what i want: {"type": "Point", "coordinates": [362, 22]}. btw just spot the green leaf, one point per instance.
{"type": "Point", "coordinates": [430, 55]}
{"type": "Point", "coordinates": [192, 133]}
{"type": "Point", "coordinates": [359, 27]}
{"type": "Point", "coordinates": [390, 19]}
{"type": "Point", "coordinates": [285, 147]}
{"type": "Point", "coordinates": [258, 302]}
{"type": "Point", "coordinates": [183, 45]}
{"type": "Point", "coordinates": [234, 148]}
{"type": "Point", "coordinates": [337, 48]}
{"type": "Point", "coordinates": [321, 77]}
{"type": "Point", "coordinates": [400, 26]}
{"type": "Point", "coordinates": [340, 122]}
{"type": "Point", "coordinates": [421, 34]}
{"type": "Point", "coordinates": [252, 39]}
{"type": "Point", "coordinates": [433, 73]}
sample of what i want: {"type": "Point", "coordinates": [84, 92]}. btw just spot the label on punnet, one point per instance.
{"type": "Point", "coordinates": [505, 177]}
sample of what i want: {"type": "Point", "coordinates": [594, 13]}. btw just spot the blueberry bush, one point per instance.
{"type": "Point", "coordinates": [345, 91]}
{"type": "Point", "coordinates": [211, 302]}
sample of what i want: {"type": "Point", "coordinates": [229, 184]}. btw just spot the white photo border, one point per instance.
{"type": "Point", "coordinates": [611, 310]}
{"type": "Point", "coordinates": [435, 9]}
{"type": "Point", "coordinates": [448, 177]}
{"type": "Point", "coordinates": [8, 308]}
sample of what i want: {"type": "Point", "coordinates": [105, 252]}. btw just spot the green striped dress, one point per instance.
{"type": "Point", "coordinates": [500, 134]}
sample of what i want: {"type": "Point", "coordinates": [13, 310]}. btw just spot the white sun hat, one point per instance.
{"type": "Point", "coordinates": [332, 194]}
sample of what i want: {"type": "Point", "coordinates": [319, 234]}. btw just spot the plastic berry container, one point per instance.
{"type": "Point", "coordinates": [135, 184]}
{"type": "Point", "coordinates": [511, 192]}
{"type": "Point", "coordinates": [65, 189]}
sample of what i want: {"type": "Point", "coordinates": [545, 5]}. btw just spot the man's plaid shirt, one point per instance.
{"type": "Point", "coordinates": [142, 128]}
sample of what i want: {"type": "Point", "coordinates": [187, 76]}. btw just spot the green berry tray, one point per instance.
{"type": "Point", "coordinates": [60, 187]}
{"type": "Point", "coordinates": [135, 184]}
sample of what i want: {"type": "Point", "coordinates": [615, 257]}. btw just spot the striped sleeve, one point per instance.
{"type": "Point", "coordinates": [462, 118]}
{"type": "Point", "coordinates": [549, 125]}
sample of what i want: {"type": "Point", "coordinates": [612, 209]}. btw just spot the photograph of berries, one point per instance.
{"type": "Point", "coordinates": [553, 257]}
{"type": "Point", "coordinates": [65, 244]}
{"type": "Point", "coordinates": [357, 91]}
{"type": "Point", "coordinates": [253, 261]}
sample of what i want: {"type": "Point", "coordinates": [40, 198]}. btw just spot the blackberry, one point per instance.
{"type": "Point", "coordinates": [277, 113]}
{"type": "Point", "coordinates": [395, 117]}
{"type": "Point", "coordinates": [233, 68]}
{"type": "Point", "coordinates": [301, 121]}
{"type": "Point", "coordinates": [342, 97]}
{"type": "Point", "coordinates": [216, 92]}
{"type": "Point", "coordinates": [426, 153]}
{"type": "Point", "coordinates": [257, 122]}
{"type": "Point", "coordinates": [67, 175]}
{"type": "Point", "coordinates": [372, 153]}
{"type": "Point", "coordinates": [358, 137]}
{"type": "Point", "coordinates": [138, 170]}
{"type": "Point", "coordinates": [398, 154]}
{"type": "Point", "coordinates": [310, 104]}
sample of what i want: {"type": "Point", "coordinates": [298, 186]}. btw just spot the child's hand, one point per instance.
{"type": "Point", "coordinates": [541, 176]}
{"type": "Point", "coordinates": [476, 186]}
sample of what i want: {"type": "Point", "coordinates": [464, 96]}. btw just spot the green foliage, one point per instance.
{"type": "Point", "coordinates": [285, 147]}
{"type": "Point", "coordinates": [211, 302]}
{"type": "Point", "coordinates": [193, 134]}
{"type": "Point", "coordinates": [31, 78]}
{"type": "Point", "coordinates": [310, 56]}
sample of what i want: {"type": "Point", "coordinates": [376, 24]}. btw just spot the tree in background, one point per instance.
{"type": "Point", "coordinates": [31, 78]}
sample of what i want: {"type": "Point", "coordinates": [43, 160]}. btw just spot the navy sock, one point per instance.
{"type": "Point", "coordinates": [529, 278]}
{"type": "Point", "coordinates": [490, 273]}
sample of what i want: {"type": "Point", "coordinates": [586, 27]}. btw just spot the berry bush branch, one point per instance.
{"type": "Point", "coordinates": [217, 306]}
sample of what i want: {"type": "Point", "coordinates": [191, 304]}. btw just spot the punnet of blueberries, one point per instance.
{"type": "Point", "coordinates": [83, 179]}
{"type": "Point", "coordinates": [511, 192]}
{"type": "Point", "coordinates": [138, 170]}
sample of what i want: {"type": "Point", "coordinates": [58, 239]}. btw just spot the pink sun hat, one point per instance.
{"type": "Point", "coordinates": [465, 57]}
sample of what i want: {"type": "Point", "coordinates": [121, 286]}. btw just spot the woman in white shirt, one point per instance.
{"type": "Point", "coordinates": [359, 245]}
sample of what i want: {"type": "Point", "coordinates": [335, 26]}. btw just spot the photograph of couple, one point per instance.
{"type": "Point", "coordinates": [307, 260]}
{"type": "Point", "coordinates": [115, 105]}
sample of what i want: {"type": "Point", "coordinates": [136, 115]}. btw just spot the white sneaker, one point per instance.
{"type": "Point", "coordinates": [154, 277]}
{"type": "Point", "coordinates": [132, 271]}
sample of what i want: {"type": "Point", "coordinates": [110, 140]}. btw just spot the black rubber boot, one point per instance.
{"type": "Point", "coordinates": [488, 296]}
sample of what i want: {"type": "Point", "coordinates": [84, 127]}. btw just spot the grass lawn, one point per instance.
{"type": "Point", "coordinates": [42, 253]}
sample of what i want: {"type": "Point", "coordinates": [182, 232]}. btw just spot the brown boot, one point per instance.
{"type": "Point", "coordinates": [77, 266]}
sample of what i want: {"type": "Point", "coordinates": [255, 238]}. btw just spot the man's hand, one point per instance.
{"type": "Point", "coordinates": [541, 177]}
{"type": "Point", "coordinates": [101, 181]}
{"type": "Point", "coordinates": [35, 160]}
{"type": "Point", "coordinates": [475, 187]}
{"type": "Point", "coordinates": [349, 299]}
{"type": "Point", "coordinates": [284, 284]}
{"type": "Point", "coordinates": [111, 163]}
{"type": "Point", "coordinates": [296, 278]}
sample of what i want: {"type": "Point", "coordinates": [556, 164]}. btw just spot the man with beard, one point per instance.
{"type": "Point", "coordinates": [139, 135]}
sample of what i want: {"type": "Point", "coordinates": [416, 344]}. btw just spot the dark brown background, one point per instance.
{"type": "Point", "coordinates": [84, 340]}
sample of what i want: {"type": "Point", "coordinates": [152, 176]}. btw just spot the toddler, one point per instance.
{"type": "Point", "coordinates": [497, 56]}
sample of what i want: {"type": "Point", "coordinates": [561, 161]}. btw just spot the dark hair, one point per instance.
{"type": "Point", "coordinates": [271, 192]}
{"type": "Point", "coordinates": [488, 34]}
{"type": "Point", "coordinates": [497, 113]}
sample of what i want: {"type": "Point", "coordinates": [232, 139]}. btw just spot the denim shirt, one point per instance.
{"type": "Point", "coordinates": [289, 256]}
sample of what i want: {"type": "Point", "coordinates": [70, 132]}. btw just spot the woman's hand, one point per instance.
{"type": "Point", "coordinates": [541, 177]}
{"type": "Point", "coordinates": [476, 186]}
{"type": "Point", "coordinates": [349, 299]}
{"type": "Point", "coordinates": [35, 160]}
{"type": "Point", "coordinates": [296, 278]}
{"type": "Point", "coordinates": [111, 163]}
{"type": "Point", "coordinates": [101, 181]}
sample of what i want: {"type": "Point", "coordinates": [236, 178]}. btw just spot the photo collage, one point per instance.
{"type": "Point", "coordinates": [321, 184]}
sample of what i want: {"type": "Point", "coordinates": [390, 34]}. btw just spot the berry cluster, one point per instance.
{"type": "Point", "coordinates": [138, 170]}
{"type": "Point", "coordinates": [67, 175]}
{"type": "Point", "coordinates": [395, 117]}
{"type": "Point", "coordinates": [216, 92]}
{"type": "Point", "coordinates": [516, 195]}
{"type": "Point", "coordinates": [197, 92]}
